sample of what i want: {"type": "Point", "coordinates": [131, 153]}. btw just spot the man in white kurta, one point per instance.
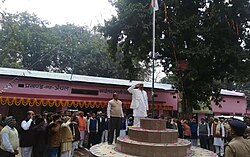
{"type": "Point", "coordinates": [218, 132]}
{"type": "Point", "coordinates": [139, 103]}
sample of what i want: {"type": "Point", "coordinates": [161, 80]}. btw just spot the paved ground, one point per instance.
{"type": "Point", "coordinates": [82, 153]}
{"type": "Point", "coordinates": [78, 153]}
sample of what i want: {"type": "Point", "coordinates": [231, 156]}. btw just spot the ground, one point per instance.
{"type": "Point", "coordinates": [78, 153]}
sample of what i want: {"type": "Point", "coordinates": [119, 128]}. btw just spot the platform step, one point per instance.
{"type": "Point", "coordinates": [153, 136]}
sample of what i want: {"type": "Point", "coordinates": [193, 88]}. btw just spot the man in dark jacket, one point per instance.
{"type": "Point", "coordinates": [203, 133]}
{"type": "Point", "coordinates": [26, 135]}
{"type": "Point", "coordinates": [75, 132]}
{"type": "Point", "coordinates": [40, 134]}
{"type": "Point", "coordinates": [101, 125]}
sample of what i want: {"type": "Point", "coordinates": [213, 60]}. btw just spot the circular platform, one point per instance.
{"type": "Point", "coordinates": [153, 136]}
{"type": "Point", "coordinates": [105, 150]}
{"type": "Point", "coordinates": [149, 149]}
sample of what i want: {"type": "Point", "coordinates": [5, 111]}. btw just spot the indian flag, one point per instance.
{"type": "Point", "coordinates": [154, 4]}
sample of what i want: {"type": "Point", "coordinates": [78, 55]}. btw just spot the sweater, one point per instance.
{"type": "Point", "coordinates": [114, 108]}
{"type": "Point", "coordinates": [13, 138]}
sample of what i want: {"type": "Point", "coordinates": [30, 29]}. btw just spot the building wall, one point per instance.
{"type": "Point", "coordinates": [51, 89]}
{"type": "Point", "coordinates": [230, 105]}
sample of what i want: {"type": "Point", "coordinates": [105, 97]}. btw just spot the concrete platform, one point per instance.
{"type": "Point", "coordinates": [105, 150]}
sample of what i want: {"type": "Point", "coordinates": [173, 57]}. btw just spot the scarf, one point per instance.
{"type": "Point", "coordinates": [218, 127]}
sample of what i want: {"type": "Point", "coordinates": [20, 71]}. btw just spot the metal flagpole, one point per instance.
{"type": "Point", "coordinates": [153, 66]}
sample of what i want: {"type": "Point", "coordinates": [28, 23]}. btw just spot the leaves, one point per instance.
{"type": "Point", "coordinates": [28, 42]}
{"type": "Point", "coordinates": [211, 36]}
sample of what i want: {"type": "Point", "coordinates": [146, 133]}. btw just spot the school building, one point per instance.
{"type": "Point", "coordinates": [22, 90]}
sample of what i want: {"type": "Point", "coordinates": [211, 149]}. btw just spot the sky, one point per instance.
{"type": "Point", "coordinates": [79, 12]}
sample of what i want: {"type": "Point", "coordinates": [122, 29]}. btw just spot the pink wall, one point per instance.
{"type": "Point", "coordinates": [171, 99]}
{"type": "Point", "coordinates": [50, 89]}
{"type": "Point", "coordinates": [231, 105]}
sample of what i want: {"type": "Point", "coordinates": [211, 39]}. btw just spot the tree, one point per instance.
{"type": "Point", "coordinates": [126, 36]}
{"type": "Point", "coordinates": [28, 42]}
{"type": "Point", "coordinates": [25, 39]}
{"type": "Point", "coordinates": [203, 43]}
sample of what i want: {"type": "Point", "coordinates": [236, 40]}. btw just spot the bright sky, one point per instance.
{"type": "Point", "coordinates": [79, 12]}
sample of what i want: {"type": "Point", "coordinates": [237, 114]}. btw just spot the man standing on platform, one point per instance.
{"type": "Point", "coordinates": [139, 103]}
{"type": "Point", "coordinates": [114, 113]}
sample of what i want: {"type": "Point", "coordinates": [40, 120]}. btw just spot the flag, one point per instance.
{"type": "Point", "coordinates": [154, 4]}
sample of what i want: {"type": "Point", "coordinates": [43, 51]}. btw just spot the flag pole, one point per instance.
{"type": "Point", "coordinates": [153, 66]}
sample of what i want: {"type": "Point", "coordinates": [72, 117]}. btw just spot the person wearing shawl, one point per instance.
{"type": "Point", "coordinates": [218, 132]}
{"type": "Point", "coordinates": [238, 146]}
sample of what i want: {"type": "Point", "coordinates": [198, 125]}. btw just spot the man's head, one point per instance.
{"type": "Point", "coordinates": [237, 128]}
{"type": "Point", "coordinates": [216, 120]}
{"type": "Point", "coordinates": [140, 86]}
{"type": "Point", "coordinates": [30, 115]}
{"type": "Point", "coordinates": [115, 96]}
{"type": "Point", "coordinates": [10, 121]}
{"type": "Point", "coordinates": [39, 121]}
{"type": "Point", "coordinates": [202, 120]}
{"type": "Point", "coordinates": [56, 117]}
{"type": "Point", "coordinates": [80, 113]}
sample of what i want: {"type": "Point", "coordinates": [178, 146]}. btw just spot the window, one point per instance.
{"type": "Point", "coordinates": [84, 91]}
{"type": "Point", "coordinates": [21, 85]}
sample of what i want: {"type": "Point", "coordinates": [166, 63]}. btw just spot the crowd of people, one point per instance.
{"type": "Point", "coordinates": [60, 134]}
{"type": "Point", "coordinates": [213, 133]}
{"type": "Point", "coordinates": [53, 134]}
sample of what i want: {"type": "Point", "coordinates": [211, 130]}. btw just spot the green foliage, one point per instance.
{"type": "Point", "coordinates": [211, 37]}
{"type": "Point", "coordinates": [27, 42]}
{"type": "Point", "coordinates": [126, 36]}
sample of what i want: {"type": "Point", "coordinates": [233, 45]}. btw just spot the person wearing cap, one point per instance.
{"type": "Point", "coordinates": [218, 132]}
{"type": "Point", "coordinates": [114, 113]}
{"type": "Point", "coordinates": [9, 142]}
{"type": "Point", "coordinates": [238, 146]}
{"type": "Point", "coordinates": [139, 102]}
